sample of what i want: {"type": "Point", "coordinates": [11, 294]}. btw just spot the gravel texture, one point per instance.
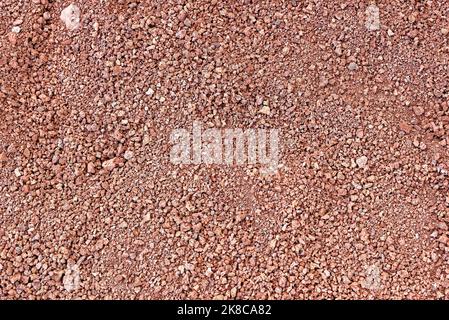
{"type": "Point", "coordinates": [91, 206]}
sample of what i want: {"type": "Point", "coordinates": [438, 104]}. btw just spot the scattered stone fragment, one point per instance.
{"type": "Point", "coordinates": [404, 126]}
{"type": "Point", "coordinates": [128, 155]}
{"type": "Point", "coordinates": [372, 22]}
{"type": "Point", "coordinates": [71, 279]}
{"type": "Point", "coordinates": [149, 92]}
{"type": "Point", "coordinates": [17, 172]}
{"type": "Point", "coordinates": [265, 110]}
{"type": "Point", "coordinates": [352, 66]}
{"type": "Point", "coordinates": [17, 22]}
{"type": "Point", "coordinates": [362, 161]}
{"type": "Point", "coordinates": [372, 279]}
{"type": "Point", "coordinates": [71, 17]}
{"type": "Point", "coordinates": [146, 217]}
{"type": "Point", "coordinates": [27, 153]}
{"type": "Point", "coordinates": [418, 110]}
{"type": "Point", "coordinates": [90, 168]}
{"type": "Point", "coordinates": [110, 164]}
{"type": "Point", "coordinates": [12, 38]}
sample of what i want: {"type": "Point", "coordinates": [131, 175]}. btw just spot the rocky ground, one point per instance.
{"type": "Point", "coordinates": [92, 207]}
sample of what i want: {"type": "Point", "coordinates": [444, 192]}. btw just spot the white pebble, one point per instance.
{"type": "Point", "coordinates": [17, 172]}
{"type": "Point", "coordinates": [149, 92]}
{"type": "Point", "coordinates": [362, 161]}
{"type": "Point", "coordinates": [372, 22]}
{"type": "Point", "coordinates": [352, 66]}
{"type": "Point", "coordinates": [128, 155]}
{"type": "Point", "coordinates": [71, 17]}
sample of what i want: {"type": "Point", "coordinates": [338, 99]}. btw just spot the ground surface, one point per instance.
{"type": "Point", "coordinates": [358, 208]}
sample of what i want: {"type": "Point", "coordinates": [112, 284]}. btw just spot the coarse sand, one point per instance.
{"type": "Point", "coordinates": [92, 207]}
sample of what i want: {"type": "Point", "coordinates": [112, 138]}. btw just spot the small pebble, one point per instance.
{"type": "Point", "coordinates": [372, 22]}
{"type": "Point", "coordinates": [17, 172]}
{"type": "Point", "coordinates": [128, 155]}
{"type": "Point", "coordinates": [418, 111]}
{"type": "Point", "coordinates": [362, 161]}
{"type": "Point", "coordinates": [352, 66]}
{"type": "Point", "coordinates": [265, 110]}
{"type": "Point", "coordinates": [71, 17]}
{"type": "Point", "coordinates": [149, 92]}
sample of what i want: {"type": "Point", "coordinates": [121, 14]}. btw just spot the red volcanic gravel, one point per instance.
{"type": "Point", "coordinates": [92, 207]}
